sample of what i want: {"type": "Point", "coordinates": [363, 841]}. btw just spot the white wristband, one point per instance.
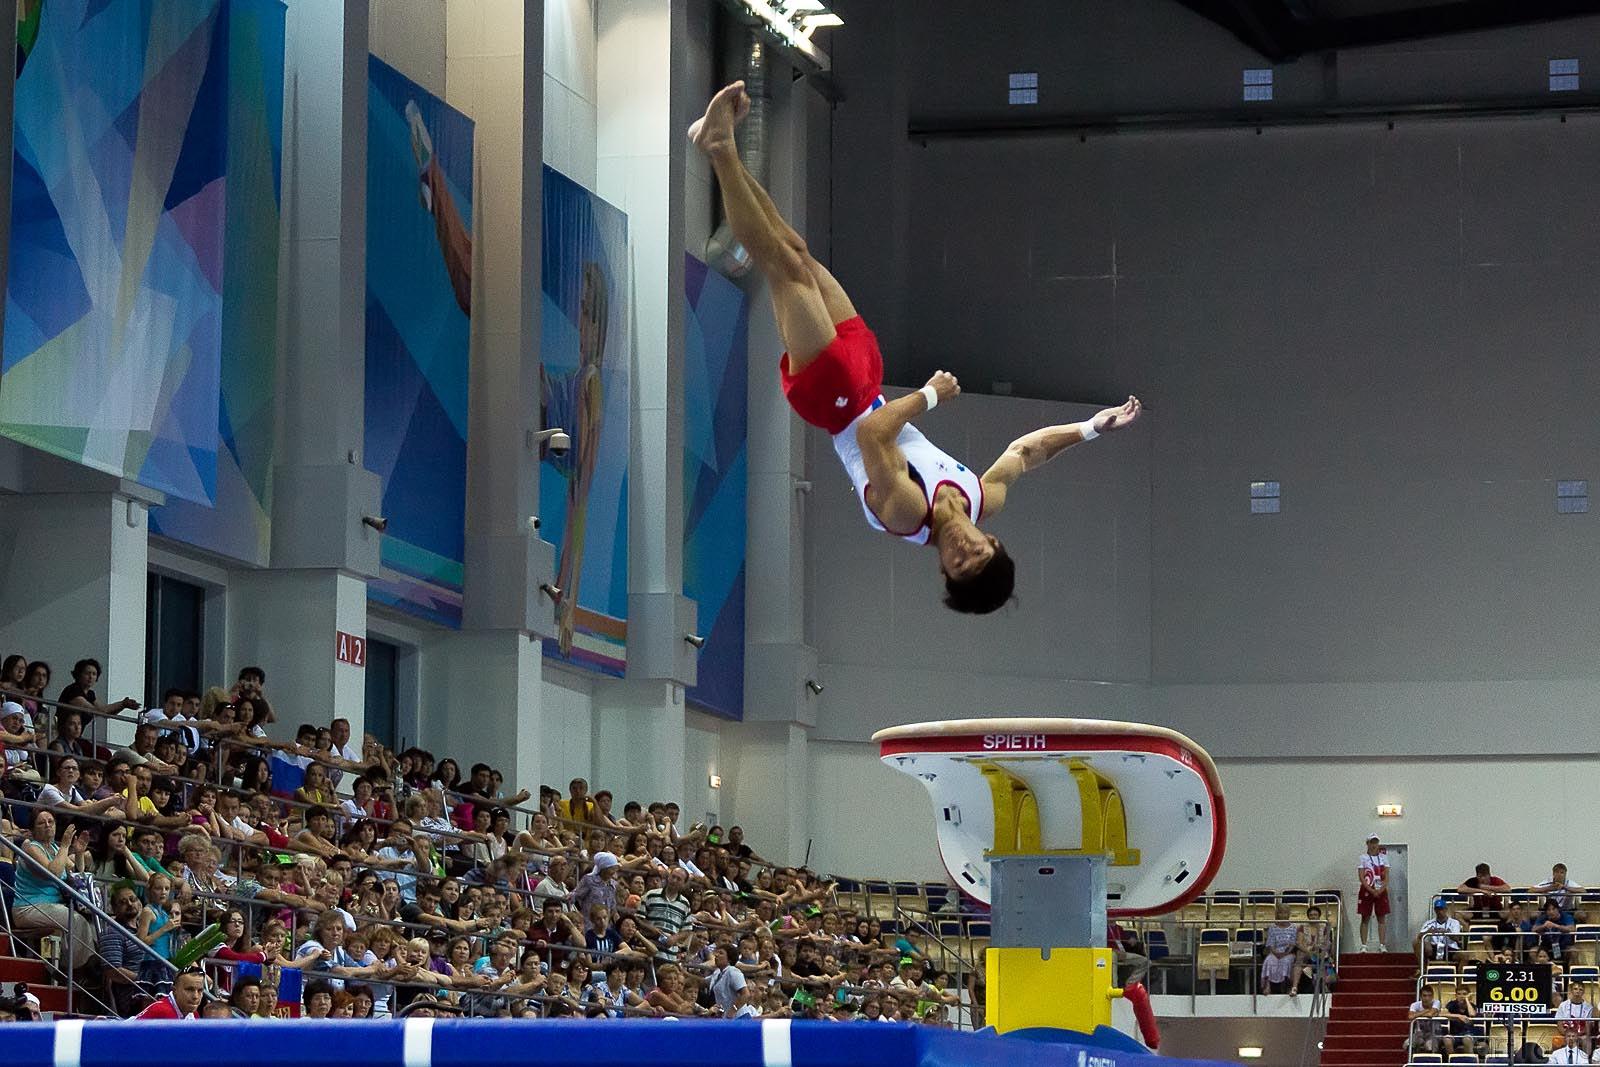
{"type": "Point", "coordinates": [1087, 431]}
{"type": "Point", "coordinates": [930, 395]}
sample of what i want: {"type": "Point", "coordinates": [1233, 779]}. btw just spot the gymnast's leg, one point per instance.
{"type": "Point", "coordinates": [805, 317]}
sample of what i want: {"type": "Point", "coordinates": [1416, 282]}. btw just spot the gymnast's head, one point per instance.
{"type": "Point", "coordinates": [979, 574]}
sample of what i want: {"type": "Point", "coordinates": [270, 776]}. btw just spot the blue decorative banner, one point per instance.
{"type": "Point", "coordinates": [715, 405]}
{"type": "Point", "coordinates": [585, 350]}
{"type": "Point", "coordinates": [114, 300]}
{"type": "Point", "coordinates": [240, 524]}
{"type": "Point", "coordinates": [419, 297]}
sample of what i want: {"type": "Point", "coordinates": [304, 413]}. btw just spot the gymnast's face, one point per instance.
{"type": "Point", "coordinates": [965, 550]}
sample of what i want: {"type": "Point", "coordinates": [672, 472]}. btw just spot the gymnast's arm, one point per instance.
{"type": "Point", "coordinates": [1041, 446]}
{"type": "Point", "coordinates": [894, 497]}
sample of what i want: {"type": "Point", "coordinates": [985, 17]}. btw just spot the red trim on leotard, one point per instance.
{"type": "Point", "coordinates": [935, 495]}
{"type": "Point", "coordinates": [885, 526]}
{"type": "Point", "coordinates": [927, 518]}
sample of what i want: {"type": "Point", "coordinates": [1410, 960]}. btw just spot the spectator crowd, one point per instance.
{"type": "Point", "coordinates": [234, 875]}
{"type": "Point", "coordinates": [1486, 921]}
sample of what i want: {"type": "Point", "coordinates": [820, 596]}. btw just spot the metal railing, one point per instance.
{"type": "Point", "coordinates": [73, 900]}
{"type": "Point", "coordinates": [1440, 952]}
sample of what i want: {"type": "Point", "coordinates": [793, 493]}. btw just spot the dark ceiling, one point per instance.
{"type": "Point", "coordinates": [1284, 29]}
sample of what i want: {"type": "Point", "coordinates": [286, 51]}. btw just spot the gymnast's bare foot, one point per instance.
{"type": "Point", "coordinates": [713, 131]}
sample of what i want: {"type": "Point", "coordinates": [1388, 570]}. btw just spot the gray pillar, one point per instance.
{"type": "Point", "coordinates": [321, 552]}
{"type": "Point", "coordinates": [506, 560]}
{"type": "Point", "coordinates": [492, 669]}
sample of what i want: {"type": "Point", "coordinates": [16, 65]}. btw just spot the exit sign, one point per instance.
{"type": "Point", "coordinates": [348, 648]}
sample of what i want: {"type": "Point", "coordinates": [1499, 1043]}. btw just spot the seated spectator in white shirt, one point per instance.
{"type": "Point", "coordinates": [1560, 888]}
{"type": "Point", "coordinates": [1427, 1018]}
{"type": "Point", "coordinates": [554, 884]}
{"type": "Point", "coordinates": [64, 793]}
{"type": "Point", "coordinates": [1438, 934]}
{"type": "Point", "coordinates": [1575, 1019]}
{"type": "Point", "coordinates": [1568, 1054]}
{"type": "Point", "coordinates": [339, 731]}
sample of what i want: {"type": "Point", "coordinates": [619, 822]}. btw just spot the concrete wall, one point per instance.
{"type": "Point", "coordinates": [570, 89]}
{"type": "Point", "coordinates": [409, 35]}
{"type": "Point", "coordinates": [1393, 323]}
{"type": "Point", "coordinates": [568, 706]}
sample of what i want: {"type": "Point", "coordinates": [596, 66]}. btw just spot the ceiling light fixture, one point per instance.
{"type": "Point", "coordinates": [792, 22]}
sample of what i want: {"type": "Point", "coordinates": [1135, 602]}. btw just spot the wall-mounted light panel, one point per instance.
{"type": "Point", "coordinates": [1564, 75]}
{"type": "Point", "coordinates": [1257, 84]}
{"type": "Point", "coordinates": [1265, 498]}
{"type": "Point", "coordinates": [1572, 497]}
{"type": "Point", "coordinates": [1022, 87]}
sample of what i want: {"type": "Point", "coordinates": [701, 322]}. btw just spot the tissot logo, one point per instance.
{"type": "Point", "coordinates": [1013, 742]}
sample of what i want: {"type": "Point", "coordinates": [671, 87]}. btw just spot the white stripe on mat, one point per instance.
{"type": "Point", "coordinates": [417, 1050]}
{"type": "Point", "coordinates": [69, 1043]}
{"type": "Point", "coordinates": [775, 1050]}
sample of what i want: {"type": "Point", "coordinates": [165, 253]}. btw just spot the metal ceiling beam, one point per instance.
{"type": "Point", "coordinates": [1268, 26]}
{"type": "Point", "coordinates": [928, 128]}
{"type": "Point", "coordinates": [1464, 16]}
{"type": "Point", "coordinates": [1283, 29]}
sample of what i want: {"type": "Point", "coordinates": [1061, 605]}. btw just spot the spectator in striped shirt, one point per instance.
{"type": "Point", "coordinates": [668, 908]}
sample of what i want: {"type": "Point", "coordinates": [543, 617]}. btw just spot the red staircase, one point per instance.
{"type": "Point", "coordinates": [1367, 1015]}
{"type": "Point", "coordinates": [52, 998]}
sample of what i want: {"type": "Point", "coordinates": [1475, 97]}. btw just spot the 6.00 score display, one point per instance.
{"type": "Point", "coordinates": [1514, 990]}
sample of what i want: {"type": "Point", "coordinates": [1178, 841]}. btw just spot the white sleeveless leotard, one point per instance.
{"type": "Point", "coordinates": [928, 465]}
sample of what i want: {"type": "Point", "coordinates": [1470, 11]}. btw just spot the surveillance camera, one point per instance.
{"type": "Point", "coordinates": [815, 686]}
{"type": "Point", "coordinates": [551, 590]}
{"type": "Point", "coordinates": [377, 522]}
{"type": "Point", "coordinates": [533, 522]}
{"type": "Point", "coordinates": [695, 639]}
{"type": "Point", "coordinates": [553, 438]}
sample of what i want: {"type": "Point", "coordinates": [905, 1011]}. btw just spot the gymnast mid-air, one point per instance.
{"type": "Point", "coordinates": [832, 375]}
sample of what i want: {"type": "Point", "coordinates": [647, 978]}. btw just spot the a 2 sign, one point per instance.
{"type": "Point", "coordinates": [348, 648]}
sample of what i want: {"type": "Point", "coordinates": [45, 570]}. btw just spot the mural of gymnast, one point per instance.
{"type": "Point", "coordinates": [575, 400]}
{"type": "Point", "coordinates": [455, 243]}
{"type": "Point", "coordinates": [578, 400]}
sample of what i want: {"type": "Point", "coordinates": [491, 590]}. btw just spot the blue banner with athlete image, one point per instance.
{"type": "Point", "coordinates": [586, 352]}
{"type": "Point", "coordinates": [419, 314]}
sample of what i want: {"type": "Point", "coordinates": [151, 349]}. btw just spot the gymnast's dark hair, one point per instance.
{"type": "Point", "coordinates": [988, 590]}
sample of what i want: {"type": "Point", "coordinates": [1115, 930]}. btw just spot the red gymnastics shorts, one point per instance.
{"type": "Point", "coordinates": [841, 383]}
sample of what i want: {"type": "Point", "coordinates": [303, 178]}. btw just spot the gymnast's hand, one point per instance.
{"type": "Point", "coordinates": [945, 386]}
{"type": "Point", "coordinates": [1116, 418]}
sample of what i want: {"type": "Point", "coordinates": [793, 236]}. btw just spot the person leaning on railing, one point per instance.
{"type": "Point", "coordinates": [39, 905]}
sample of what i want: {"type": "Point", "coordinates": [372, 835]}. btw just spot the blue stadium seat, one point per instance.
{"type": "Point", "coordinates": [1155, 943]}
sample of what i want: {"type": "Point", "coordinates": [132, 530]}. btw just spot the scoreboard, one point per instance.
{"type": "Point", "coordinates": [1514, 989]}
